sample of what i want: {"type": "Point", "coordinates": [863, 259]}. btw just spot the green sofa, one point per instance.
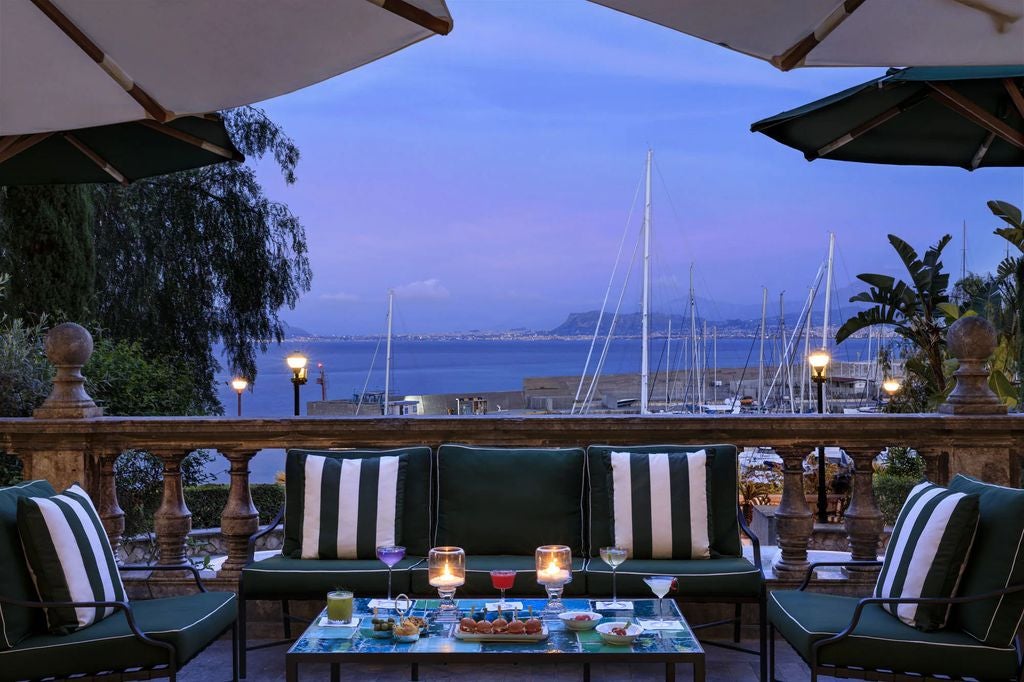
{"type": "Point", "coordinates": [499, 504]}
{"type": "Point", "coordinates": [154, 637]}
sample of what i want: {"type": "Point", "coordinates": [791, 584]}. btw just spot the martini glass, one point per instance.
{"type": "Point", "coordinates": [613, 556]}
{"type": "Point", "coordinates": [390, 555]}
{"type": "Point", "coordinates": [503, 580]}
{"type": "Point", "coordinates": [660, 585]}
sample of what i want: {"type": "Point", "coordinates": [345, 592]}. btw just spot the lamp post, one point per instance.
{"type": "Point", "coordinates": [297, 362]}
{"type": "Point", "coordinates": [891, 386]}
{"type": "Point", "coordinates": [819, 360]}
{"type": "Point", "coordinates": [239, 384]}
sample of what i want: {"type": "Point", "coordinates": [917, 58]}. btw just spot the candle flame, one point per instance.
{"type": "Point", "coordinates": [447, 572]}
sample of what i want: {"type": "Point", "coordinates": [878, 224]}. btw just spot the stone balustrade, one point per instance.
{"type": "Point", "coordinates": [64, 448]}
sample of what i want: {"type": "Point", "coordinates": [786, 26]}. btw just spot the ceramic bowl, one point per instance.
{"type": "Point", "coordinates": [408, 639]}
{"type": "Point", "coordinates": [632, 631]}
{"type": "Point", "coordinates": [580, 620]}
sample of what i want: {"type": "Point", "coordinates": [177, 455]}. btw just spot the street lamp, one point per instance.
{"type": "Point", "coordinates": [890, 386]}
{"type": "Point", "coordinates": [819, 360]}
{"type": "Point", "coordinates": [239, 384]}
{"type": "Point", "coordinates": [297, 362]}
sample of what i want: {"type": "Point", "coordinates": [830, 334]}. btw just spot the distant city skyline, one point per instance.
{"type": "Point", "coordinates": [487, 176]}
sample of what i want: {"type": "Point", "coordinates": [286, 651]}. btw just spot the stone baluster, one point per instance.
{"type": "Point", "coordinates": [936, 463]}
{"type": "Point", "coordinates": [107, 504]}
{"type": "Point", "coordinates": [172, 521]}
{"type": "Point", "coordinates": [240, 518]}
{"type": "Point", "coordinates": [864, 523]}
{"type": "Point", "coordinates": [794, 519]}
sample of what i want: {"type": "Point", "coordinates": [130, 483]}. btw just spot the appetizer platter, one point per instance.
{"type": "Point", "coordinates": [475, 628]}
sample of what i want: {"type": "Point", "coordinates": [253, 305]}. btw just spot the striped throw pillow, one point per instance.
{"type": "Point", "coordinates": [69, 556]}
{"type": "Point", "coordinates": [351, 506]}
{"type": "Point", "coordinates": [927, 553]}
{"type": "Point", "coordinates": [660, 504]}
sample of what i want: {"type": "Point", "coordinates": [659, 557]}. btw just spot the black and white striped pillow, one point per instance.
{"type": "Point", "coordinates": [351, 506]}
{"type": "Point", "coordinates": [660, 504]}
{"type": "Point", "coordinates": [69, 556]}
{"type": "Point", "coordinates": [927, 553]}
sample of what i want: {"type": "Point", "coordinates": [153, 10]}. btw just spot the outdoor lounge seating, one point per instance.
{"type": "Point", "coordinates": [846, 636]}
{"type": "Point", "coordinates": [499, 504]}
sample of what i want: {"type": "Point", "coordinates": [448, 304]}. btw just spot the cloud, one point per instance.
{"type": "Point", "coordinates": [423, 290]}
{"type": "Point", "coordinates": [340, 297]}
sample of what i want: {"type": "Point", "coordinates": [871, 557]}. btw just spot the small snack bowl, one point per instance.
{"type": "Point", "coordinates": [580, 620]}
{"type": "Point", "coordinates": [619, 632]}
{"type": "Point", "coordinates": [407, 631]}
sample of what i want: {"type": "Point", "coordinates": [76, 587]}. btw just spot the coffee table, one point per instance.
{"type": "Point", "coordinates": [348, 645]}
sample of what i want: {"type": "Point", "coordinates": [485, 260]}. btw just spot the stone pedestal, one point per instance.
{"type": "Point", "coordinates": [68, 346]}
{"type": "Point", "coordinates": [972, 340]}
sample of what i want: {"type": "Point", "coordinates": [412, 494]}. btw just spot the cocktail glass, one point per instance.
{"type": "Point", "coordinates": [660, 585]}
{"type": "Point", "coordinates": [390, 555]}
{"type": "Point", "coordinates": [503, 580]}
{"type": "Point", "coordinates": [613, 556]}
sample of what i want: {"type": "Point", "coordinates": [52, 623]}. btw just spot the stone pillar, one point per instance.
{"type": "Point", "coordinates": [68, 346]}
{"type": "Point", "coordinates": [864, 523]}
{"type": "Point", "coordinates": [972, 340]}
{"type": "Point", "coordinates": [106, 501]}
{"type": "Point", "coordinates": [240, 518]}
{"type": "Point", "coordinates": [172, 521]}
{"type": "Point", "coordinates": [936, 464]}
{"type": "Point", "coordinates": [794, 519]}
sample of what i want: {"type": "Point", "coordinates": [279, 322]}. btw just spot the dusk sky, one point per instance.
{"type": "Point", "coordinates": [486, 176]}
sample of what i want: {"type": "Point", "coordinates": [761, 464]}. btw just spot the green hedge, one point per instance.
{"type": "Point", "coordinates": [891, 492]}
{"type": "Point", "coordinates": [206, 502]}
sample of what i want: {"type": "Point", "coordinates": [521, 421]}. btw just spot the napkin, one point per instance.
{"type": "Point", "coordinates": [613, 606]}
{"type": "Point", "coordinates": [660, 624]}
{"type": "Point", "coordinates": [324, 623]}
{"type": "Point", "coordinates": [386, 604]}
{"type": "Point", "coordinates": [507, 608]}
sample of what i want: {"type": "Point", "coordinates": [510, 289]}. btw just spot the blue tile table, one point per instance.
{"type": "Point", "coordinates": [337, 645]}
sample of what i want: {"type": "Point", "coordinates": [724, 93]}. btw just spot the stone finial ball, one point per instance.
{"type": "Point", "coordinates": [971, 338]}
{"type": "Point", "coordinates": [68, 344]}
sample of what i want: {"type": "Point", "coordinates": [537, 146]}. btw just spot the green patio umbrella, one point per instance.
{"type": "Point", "coordinates": [120, 152]}
{"type": "Point", "coordinates": [924, 116]}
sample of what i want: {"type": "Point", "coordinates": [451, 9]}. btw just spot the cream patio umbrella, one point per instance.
{"type": "Point", "coordinates": [68, 64]}
{"type": "Point", "coordinates": [792, 33]}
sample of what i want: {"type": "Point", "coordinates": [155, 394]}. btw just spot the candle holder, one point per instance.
{"type": "Point", "coordinates": [446, 570]}
{"type": "Point", "coordinates": [554, 571]}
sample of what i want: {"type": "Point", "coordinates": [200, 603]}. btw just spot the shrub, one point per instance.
{"type": "Point", "coordinates": [139, 479]}
{"type": "Point", "coordinates": [206, 502]}
{"type": "Point", "coordinates": [903, 470]}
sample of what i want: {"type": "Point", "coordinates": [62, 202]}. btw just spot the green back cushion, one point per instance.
{"type": "Point", "coordinates": [996, 561]}
{"type": "Point", "coordinates": [15, 579]}
{"type": "Point", "coordinates": [415, 508]}
{"type": "Point", "coordinates": [509, 500]}
{"type": "Point", "coordinates": [722, 489]}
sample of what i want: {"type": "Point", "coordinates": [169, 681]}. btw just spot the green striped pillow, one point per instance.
{"type": "Point", "coordinates": [348, 506]}
{"type": "Point", "coordinates": [927, 553]}
{"type": "Point", "coordinates": [70, 557]}
{"type": "Point", "coordinates": [660, 504]}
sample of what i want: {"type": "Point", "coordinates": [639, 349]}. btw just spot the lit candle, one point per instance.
{"type": "Point", "coordinates": [552, 574]}
{"type": "Point", "coordinates": [447, 579]}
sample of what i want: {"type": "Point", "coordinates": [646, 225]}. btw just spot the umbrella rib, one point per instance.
{"type": "Point", "coordinates": [96, 158]}
{"type": "Point", "coordinates": [953, 100]}
{"type": "Point", "coordinates": [418, 16]}
{"type": "Point", "coordinates": [105, 62]}
{"type": "Point", "coordinates": [982, 151]}
{"type": "Point", "coordinates": [795, 55]}
{"type": "Point", "coordinates": [868, 125]}
{"type": "Point", "coordinates": [13, 145]}
{"type": "Point", "coordinates": [1015, 95]}
{"type": "Point", "coordinates": [194, 140]}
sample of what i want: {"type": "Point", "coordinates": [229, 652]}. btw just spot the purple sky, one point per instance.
{"type": "Point", "coordinates": [487, 176]}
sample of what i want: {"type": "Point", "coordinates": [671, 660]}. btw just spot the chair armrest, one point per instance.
{"type": "Point", "coordinates": [167, 567]}
{"type": "Point", "coordinates": [817, 564]}
{"type": "Point", "coordinates": [122, 606]}
{"type": "Point", "coordinates": [251, 550]}
{"type": "Point", "coordinates": [754, 540]}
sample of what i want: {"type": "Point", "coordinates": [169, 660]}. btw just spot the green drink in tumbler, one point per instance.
{"type": "Point", "coordinates": [339, 607]}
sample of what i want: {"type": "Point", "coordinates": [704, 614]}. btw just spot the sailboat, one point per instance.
{"type": "Point", "coordinates": [383, 399]}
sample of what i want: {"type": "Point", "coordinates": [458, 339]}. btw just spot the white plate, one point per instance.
{"type": "Point", "coordinates": [474, 637]}
{"type": "Point", "coordinates": [632, 632]}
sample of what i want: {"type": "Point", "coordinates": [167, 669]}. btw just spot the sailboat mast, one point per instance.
{"type": "Point", "coordinates": [704, 364]}
{"type": "Point", "coordinates": [644, 317]}
{"type": "Point", "coordinates": [668, 362]}
{"type": "Point", "coordinates": [828, 304]}
{"type": "Point", "coordinates": [760, 362]}
{"type": "Point", "coordinates": [387, 355]}
{"type": "Point", "coordinates": [715, 350]}
{"type": "Point", "coordinates": [695, 349]}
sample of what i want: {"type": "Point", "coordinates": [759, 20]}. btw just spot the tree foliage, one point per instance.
{"type": "Point", "coordinates": [1010, 275]}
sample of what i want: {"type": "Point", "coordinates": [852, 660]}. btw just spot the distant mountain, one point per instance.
{"type": "Point", "coordinates": [291, 332]}
{"type": "Point", "coordinates": [582, 324]}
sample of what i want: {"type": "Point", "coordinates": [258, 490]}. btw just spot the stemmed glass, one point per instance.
{"type": "Point", "coordinates": [502, 580]}
{"type": "Point", "coordinates": [390, 555]}
{"type": "Point", "coordinates": [613, 556]}
{"type": "Point", "coordinates": [660, 585]}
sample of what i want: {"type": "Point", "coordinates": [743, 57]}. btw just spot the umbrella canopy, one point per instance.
{"type": "Point", "coordinates": [791, 33]}
{"type": "Point", "coordinates": [120, 152]}
{"type": "Point", "coordinates": [67, 64]}
{"type": "Point", "coordinates": [968, 117]}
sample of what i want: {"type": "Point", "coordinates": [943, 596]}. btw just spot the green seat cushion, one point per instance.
{"type": "Point", "coordinates": [722, 488]}
{"type": "Point", "coordinates": [190, 623]}
{"type": "Point", "coordinates": [724, 577]}
{"type": "Point", "coordinates": [15, 580]}
{"type": "Point", "coordinates": [509, 500]}
{"type": "Point", "coordinates": [881, 641]}
{"type": "Point", "coordinates": [478, 577]}
{"type": "Point", "coordinates": [416, 511]}
{"type": "Point", "coordinates": [281, 577]}
{"type": "Point", "coordinates": [996, 561]}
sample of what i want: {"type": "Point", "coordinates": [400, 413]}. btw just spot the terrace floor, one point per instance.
{"type": "Point", "coordinates": [268, 665]}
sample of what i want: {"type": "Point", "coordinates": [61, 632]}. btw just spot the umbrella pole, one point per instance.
{"type": "Point", "coordinates": [96, 158]}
